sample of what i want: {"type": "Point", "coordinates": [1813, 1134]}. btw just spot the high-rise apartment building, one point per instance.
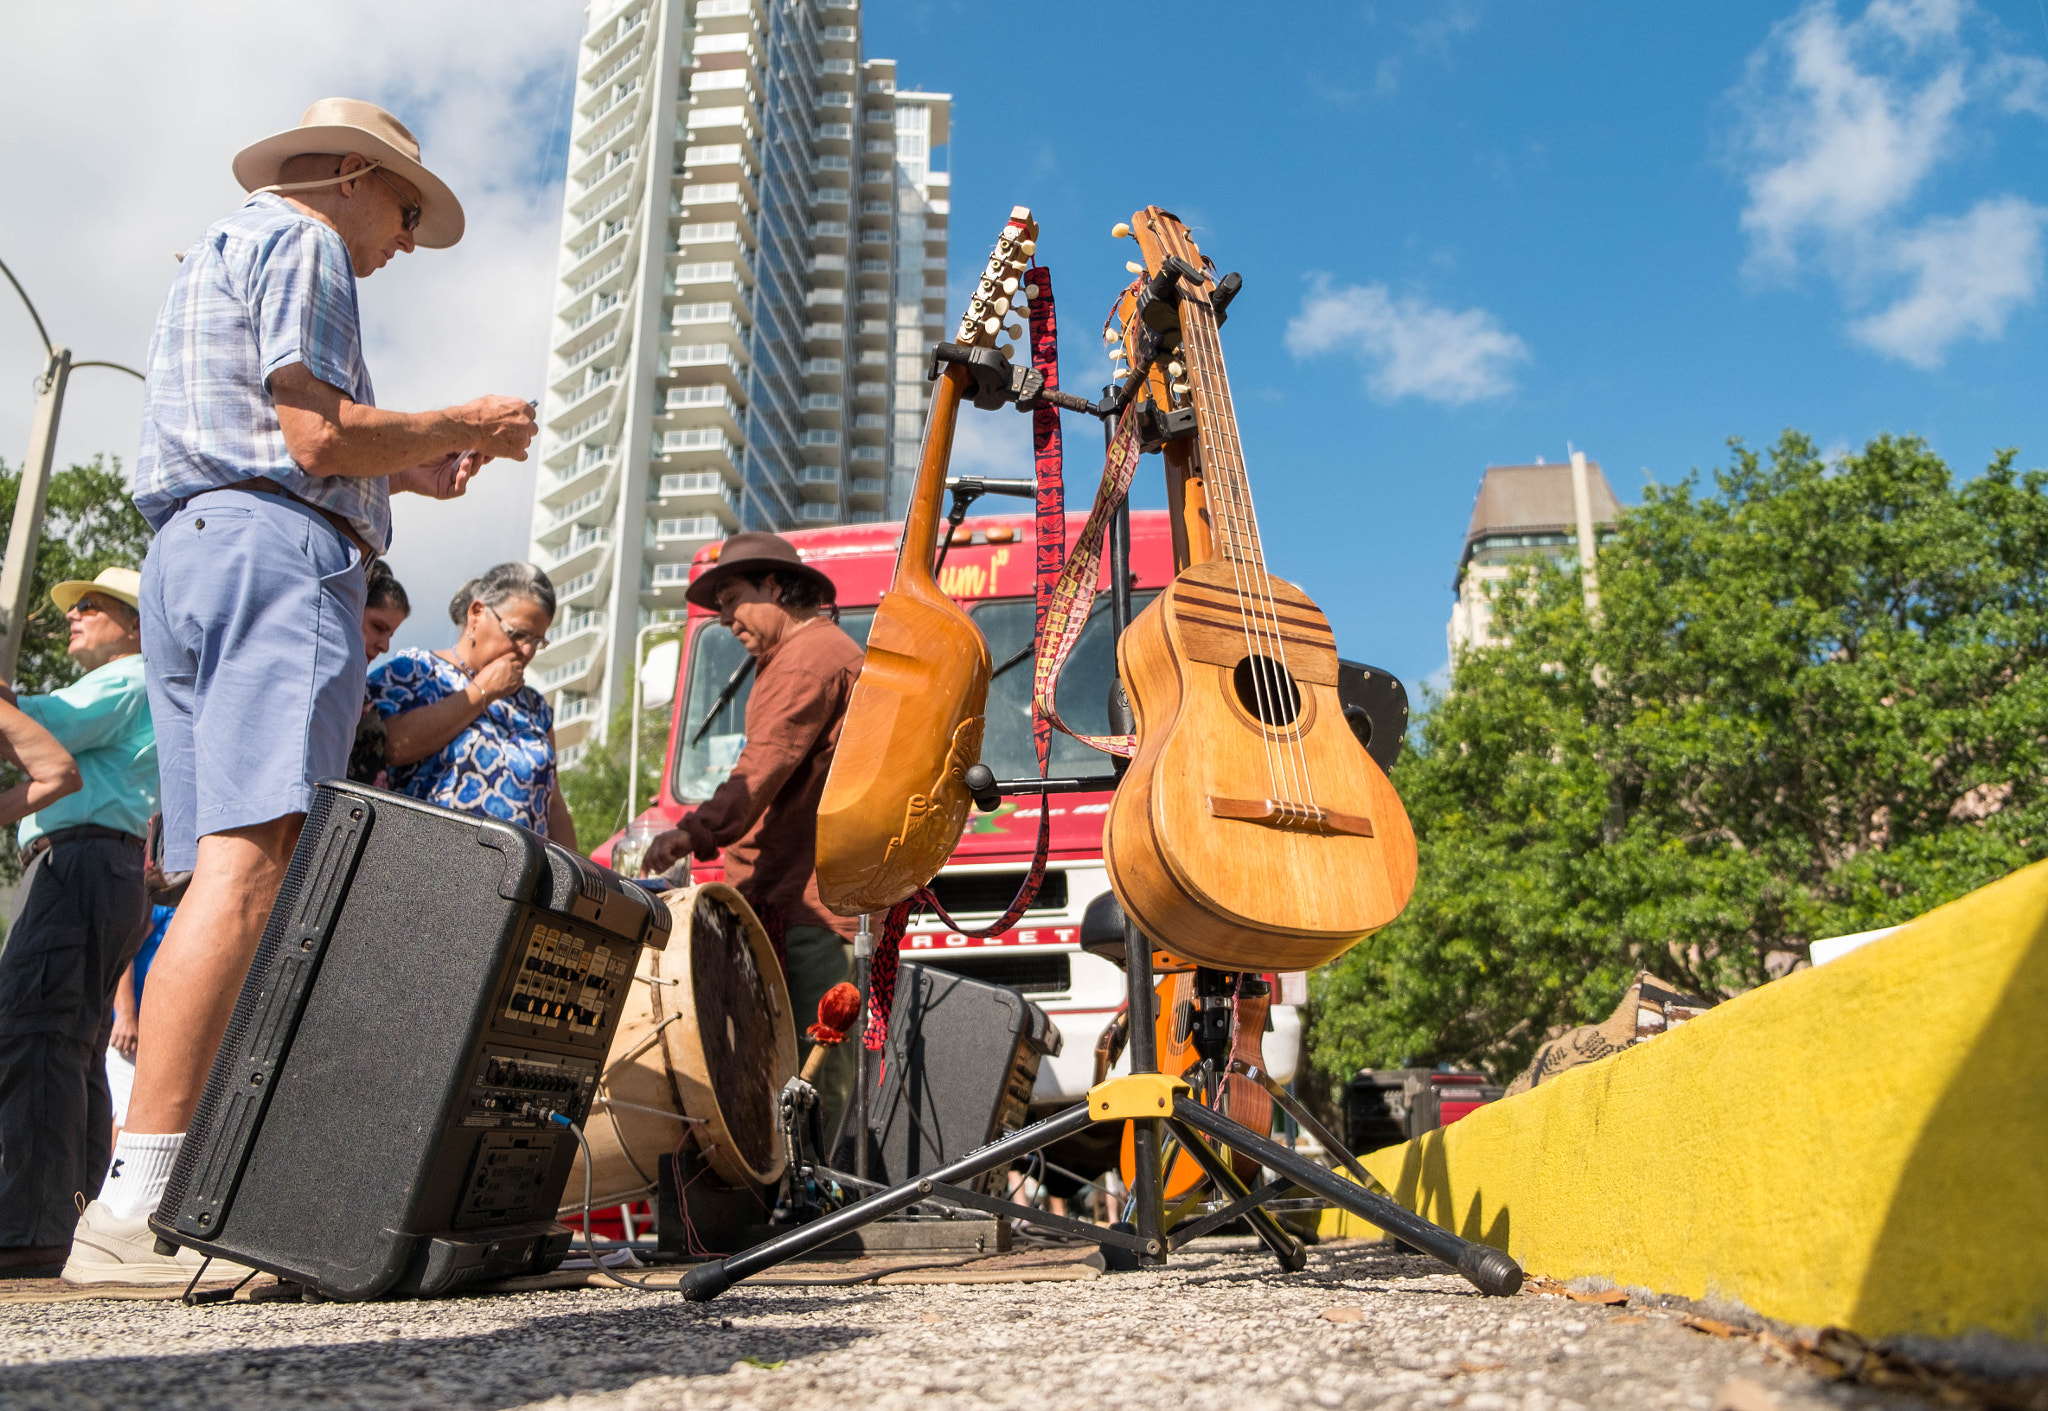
{"type": "Point", "coordinates": [753, 267]}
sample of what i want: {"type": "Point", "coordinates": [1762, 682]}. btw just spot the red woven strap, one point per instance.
{"type": "Point", "coordinates": [1074, 593]}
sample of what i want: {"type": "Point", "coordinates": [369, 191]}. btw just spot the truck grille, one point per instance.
{"type": "Point", "coordinates": [993, 891]}
{"type": "Point", "coordinates": [1027, 974]}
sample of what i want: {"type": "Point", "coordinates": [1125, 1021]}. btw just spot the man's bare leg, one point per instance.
{"type": "Point", "coordinates": [198, 971]}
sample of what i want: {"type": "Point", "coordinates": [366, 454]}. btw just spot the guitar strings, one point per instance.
{"type": "Point", "coordinates": [1238, 551]}
{"type": "Point", "coordinates": [1208, 349]}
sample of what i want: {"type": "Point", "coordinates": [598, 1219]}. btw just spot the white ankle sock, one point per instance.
{"type": "Point", "coordinates": [136, 1176]}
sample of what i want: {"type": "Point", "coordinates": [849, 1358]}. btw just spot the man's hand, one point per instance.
{"type": "Point", "coordinates": [504, 425]}
{"type": "Point", "coordinates": [125, 1033]}
{"type": "Point", "coordinates": [443, 479]}
{"type": "Point", "coordinates": [689, 837]}
{"type": "Point", "coordinates": [499, 678]}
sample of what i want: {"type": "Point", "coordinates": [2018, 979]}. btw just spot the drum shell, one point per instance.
{"type": "Point", "coordinates": [666, 1057]}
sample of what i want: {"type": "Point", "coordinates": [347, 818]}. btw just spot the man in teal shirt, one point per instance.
{"type": "Point", "coordinates": [80, 914]}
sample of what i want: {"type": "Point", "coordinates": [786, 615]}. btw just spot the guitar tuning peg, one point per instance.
{"type": "Point", "coordinates": [1180, 389]}
{"type": "Point", "coordinates": [1119, 230]}
{"type": "Point", "coordinates": [1134, 267]}
{"type": "Point", "coordinates": [1027, 248]}
{"type": "Point", "coordinates": [1010, 286]}
{"type": "Point", "coordinates": [990, 325]}
{"type": "Point", "coordinates": [1007, 350]}
{"type": "Point", "coordinates": [1013, 331]}
{"type": "Point", "coordinates": [1109, 335]}
{"type": "Point", "coordinates": [1001, 306]}
{"type": "Point", "coordinates": [1175, 368]}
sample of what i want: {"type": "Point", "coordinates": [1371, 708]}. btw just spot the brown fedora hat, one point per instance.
{"type": "Point", "coordinates": [343, 125]}
{"type": "Point", "coordinates": [750, 552]}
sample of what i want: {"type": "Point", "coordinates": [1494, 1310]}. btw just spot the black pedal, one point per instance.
{"type": "Point", "coordinates": [430, 984]}
{"type": "Point", "coordinates": [957, 1072]}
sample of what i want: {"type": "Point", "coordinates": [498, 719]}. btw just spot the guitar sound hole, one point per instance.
{"type": "Point", "coordinates": [1267, 691]}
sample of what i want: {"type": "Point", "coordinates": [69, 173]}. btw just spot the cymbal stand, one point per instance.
{"type": "Point", "coordinates": [1155, 1103]}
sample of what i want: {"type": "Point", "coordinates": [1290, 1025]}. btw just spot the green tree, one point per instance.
{"type": "Point", "coordinates": [594, 786]}
{"type": "Point", "coordinates": [90, 524]}
{"type": "Point", "coordinates": [1813, 704]}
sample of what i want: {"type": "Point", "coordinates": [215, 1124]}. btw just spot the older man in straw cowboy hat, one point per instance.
{"type": "Point", "coordinates": [79, 917]}
{"type": "Point", "coordinates": [267, 470]}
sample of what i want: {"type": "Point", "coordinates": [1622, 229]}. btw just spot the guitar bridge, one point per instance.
{"type": "Point", "coordinates": [1292, 817]}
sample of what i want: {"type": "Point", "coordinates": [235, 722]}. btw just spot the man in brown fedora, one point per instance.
{"type": "Point", "coordinates": [266, 469]}
{"type": "Point", "coordinates": [765, 815]}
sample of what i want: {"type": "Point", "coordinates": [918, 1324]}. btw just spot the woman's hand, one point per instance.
{"type": "Point", "coordinates": [500, 677]}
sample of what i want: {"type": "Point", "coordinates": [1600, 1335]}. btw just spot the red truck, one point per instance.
{"type": "Point", "coordinates": [988, 570]}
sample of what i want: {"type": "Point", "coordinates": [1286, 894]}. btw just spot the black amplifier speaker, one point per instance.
{"type": "Point", "coordinates": [956, 1073]}
{"type": "Point", "coordinates": [430, 984]}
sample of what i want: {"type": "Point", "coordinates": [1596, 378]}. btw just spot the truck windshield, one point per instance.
{"type": "Point", "coordinates": [716, 657]}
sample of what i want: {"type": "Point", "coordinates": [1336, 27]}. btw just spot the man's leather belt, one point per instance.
{"type": "Point", "coordinates": [44, 843]}
{"type": "Point", "coordinates": [263, 485]}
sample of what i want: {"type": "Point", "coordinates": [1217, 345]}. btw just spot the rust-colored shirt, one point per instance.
{"type": "Point", "coordinates": [765, 815]}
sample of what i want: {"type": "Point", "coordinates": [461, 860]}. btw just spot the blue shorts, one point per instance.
{"type": "Point", "coordinates": [252, 645]}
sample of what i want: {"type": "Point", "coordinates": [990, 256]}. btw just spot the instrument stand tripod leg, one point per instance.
{"type": "Point", "coordinates": [707, 1281]}
{"type": "Point", "coordinates": [1489, 1270]}
{"type": "Point", "coordinates": [1286, 1248]}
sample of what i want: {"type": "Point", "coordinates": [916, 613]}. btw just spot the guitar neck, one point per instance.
{"type": "Point", "coordinates": [921, 524]}
{"type": "Point", "coordinates": [1233, 526]}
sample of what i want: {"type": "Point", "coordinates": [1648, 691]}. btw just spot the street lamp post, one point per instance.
{"type": "Point", "coordinates": [17, 575]}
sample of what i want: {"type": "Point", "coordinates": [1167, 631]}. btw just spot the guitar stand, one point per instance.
{"type": "Point", "coordinates": [1155, 1103]}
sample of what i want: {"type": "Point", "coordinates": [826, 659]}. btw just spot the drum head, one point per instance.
{"type": "Point", "coordinates": [733, 1046]}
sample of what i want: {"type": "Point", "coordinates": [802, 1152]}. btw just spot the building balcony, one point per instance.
{"type": "Point", "coordinates": [573, 637]}
{"type": "Point", "coordinates": [722, 122]}
{"type": "Point", "coordinates": [704, 281]}
{"type": "Point", "coordinates": [670, 577]}
{"type": "Point", "coordinates": [560, 520]}
{"type": "Point", "coordinates": [828, 197]}
{"type": "Point", "coordinates": [700, 408]}
{"type": "Point", "coordinates": [603, 100]}
{"type": "Point", "coordinates": [585, 586]}
{"type": "Point", "coordinates": [572, 673]}
{"type": "Point", "coordinates": [815, 514]}
{"type": "Point", "coordinates": [612, 45]}
{"type": "Point", "coordinates": [867, 491]}
{"type": "Point", "coordinates": [825, 333]}
{"type": "Point", "coordinates": [701, 444]}
{"type": "Point", "coordinates": [581, 549]}
{"type": "Point", "coordinates": [574, 709]}
{"type": "Point", "coordinates": [708, 363]}
{"type": "Point", "coordinates": [690, 532]}
{"type": "Point", "coordinates": [724, 15]}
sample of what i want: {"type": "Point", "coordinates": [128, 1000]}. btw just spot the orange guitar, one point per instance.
{"type": "Point", "coordinates": [1242, 1100]}
{"type": "Point", "coordinates": [1252, 831]}
{"type": "Point", "coordinates": [895, 801]}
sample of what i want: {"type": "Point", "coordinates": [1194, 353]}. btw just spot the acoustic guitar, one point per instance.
{"type": "Point", "coordinates": [1252, 830]}
{"type": "Point", "coordinates": [896, 800]}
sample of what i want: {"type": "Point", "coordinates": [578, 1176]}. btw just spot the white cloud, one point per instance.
{"type": "Point", "coordinates": [1968, 275]}
{"type": "Point", "coordinates": [117, 124]}
{"type": "Point", "coordinates": [1410, 348]}
{"type": "Point", "coordinates": [1844, 125]}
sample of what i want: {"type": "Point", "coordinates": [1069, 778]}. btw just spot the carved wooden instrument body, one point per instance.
{"type": "Point", "coordinates": [896, 801]}
{"type": "Point", "coordinates": [1252, 831]}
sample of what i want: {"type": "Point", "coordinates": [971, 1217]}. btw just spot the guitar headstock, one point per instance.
{"type": "Point", "coordinates": [1174, 270]}
{"type": "Point", "coordinates": [1001, 290]}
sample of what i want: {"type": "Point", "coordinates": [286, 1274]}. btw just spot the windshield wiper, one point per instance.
{"type": "Point", "coordinates": [725, 694]}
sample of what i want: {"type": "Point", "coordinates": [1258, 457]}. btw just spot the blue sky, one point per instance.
{"type": "Point", "coordinates": [1473, 232]}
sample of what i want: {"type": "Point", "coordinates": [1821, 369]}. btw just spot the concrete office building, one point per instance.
{"type": "Point", "coordinates": [1521, 512]}
{"type": "Point", "coordinates": [753, 264]}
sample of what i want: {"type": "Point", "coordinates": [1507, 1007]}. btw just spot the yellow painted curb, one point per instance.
{"type": "Point", "coordinates": [1864, 1144]}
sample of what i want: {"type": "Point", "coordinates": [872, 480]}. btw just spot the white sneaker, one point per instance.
{"type": "Point", "coordinates": [108, 1250]}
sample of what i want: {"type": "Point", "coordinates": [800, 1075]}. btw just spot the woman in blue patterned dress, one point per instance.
{"type": "Point", "coordinates": [462, 727]}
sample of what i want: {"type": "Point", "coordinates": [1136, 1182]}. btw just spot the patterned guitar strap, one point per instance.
{"type": "Point", "coordinates": [1049, 560]}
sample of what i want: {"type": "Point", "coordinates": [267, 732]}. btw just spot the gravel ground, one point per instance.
{"type": "Point", "coordinates": [1220, 1330]}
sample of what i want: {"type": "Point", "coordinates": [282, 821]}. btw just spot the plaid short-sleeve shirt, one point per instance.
{"type": "Point", "coordinates": [263, 289]}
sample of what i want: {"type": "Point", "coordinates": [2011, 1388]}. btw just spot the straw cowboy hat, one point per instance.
{"type": "Point", "coordinates": [343, 125]}
{"type": "Point", "coordinates": [755, 551]}
{"type": "Point", "coordinates": [122, 583]}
